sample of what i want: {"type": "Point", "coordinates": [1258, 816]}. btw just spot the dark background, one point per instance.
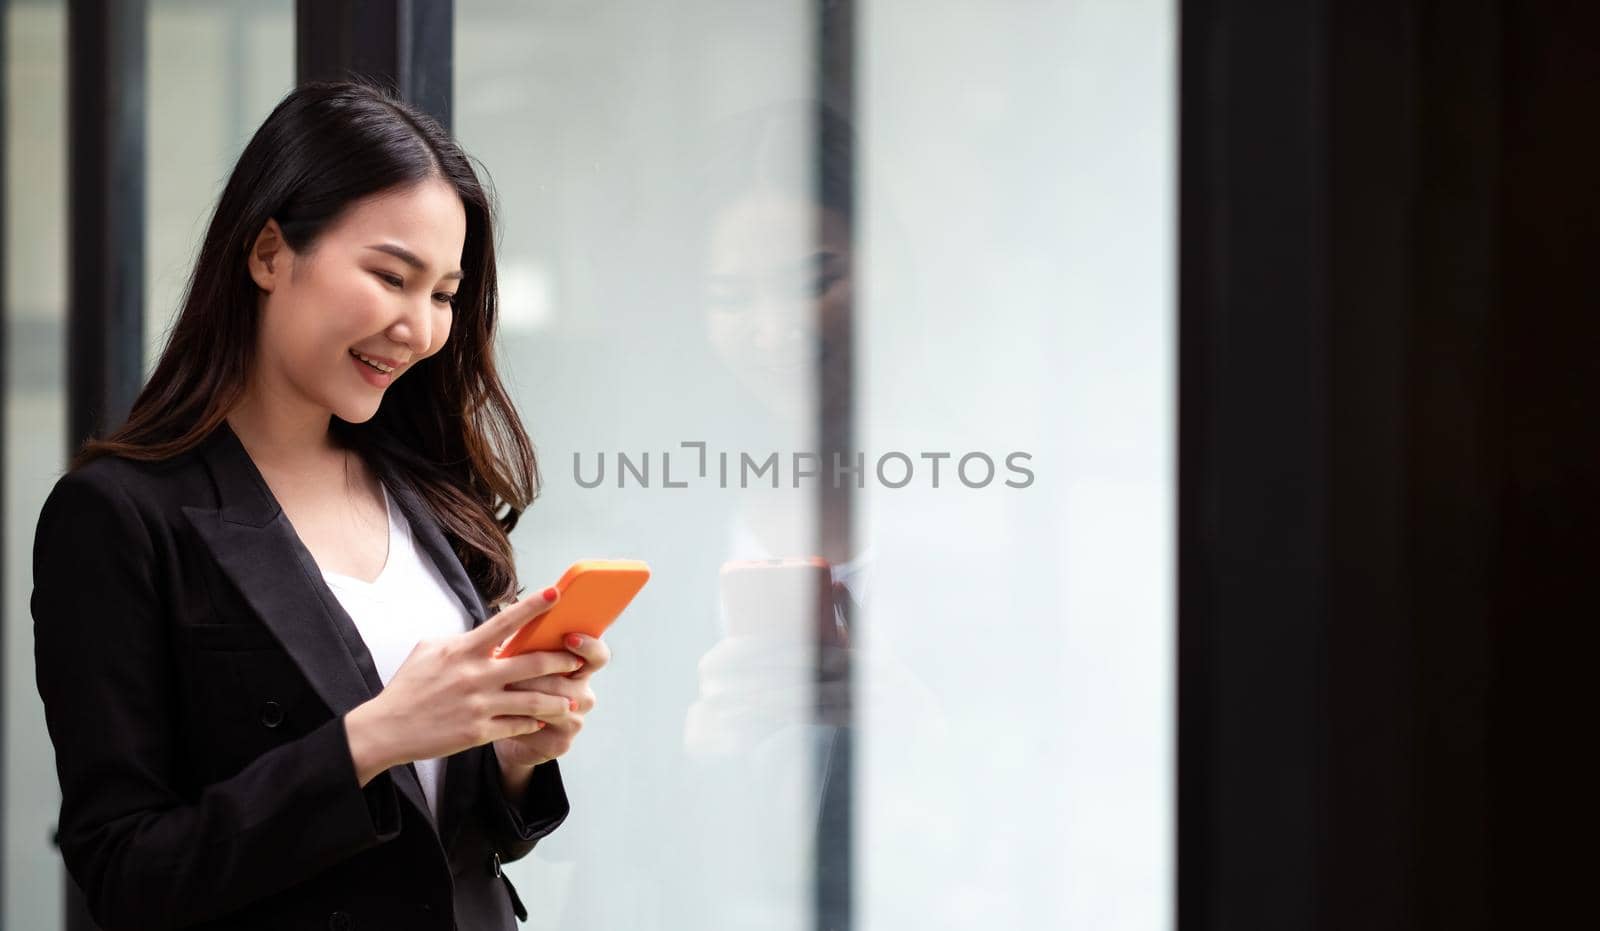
{"type": "Point", "coordinates": [1388, 461]}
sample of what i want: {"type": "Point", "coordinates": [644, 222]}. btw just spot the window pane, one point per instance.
{"type": "Point", "coordinates": [215, 69]}
{"type": "Point", "coordinates": [1014, 700]}
{"type": "Point", "coordinates": [729, 251]}
{"type": "Point", "coordinates": [36, 295]}
{"type": "Point", "coordinates": [632, 269]}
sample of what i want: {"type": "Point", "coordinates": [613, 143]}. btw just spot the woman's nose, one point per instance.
{"type": "Point", "coordinates": [778, 324]}
{"type": "Point", "coordinates": [415, 326]}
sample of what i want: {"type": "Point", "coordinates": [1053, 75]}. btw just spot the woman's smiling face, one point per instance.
{"type": "Point", "coordinates": [380, 281]}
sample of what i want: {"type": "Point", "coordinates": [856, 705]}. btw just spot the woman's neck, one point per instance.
{"type": "Point", "coordinates": [280, 437]}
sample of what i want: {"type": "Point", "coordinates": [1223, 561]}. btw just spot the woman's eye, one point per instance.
{"type": "Point", "coordinates": [441, 297]}
{"type": "Point", "coordinates": [824, 282]}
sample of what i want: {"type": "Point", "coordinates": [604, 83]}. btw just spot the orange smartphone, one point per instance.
{"type": "Point", "coordinates": [593, 593]}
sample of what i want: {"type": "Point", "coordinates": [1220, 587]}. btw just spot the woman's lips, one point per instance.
{"type": "Point", "coordinates": [374, 377]}
{"type": "Point", "coordinates": [392, 363]}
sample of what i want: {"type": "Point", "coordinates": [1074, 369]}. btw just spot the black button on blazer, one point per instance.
{"type": "Point", "coordinates": [195, 671]}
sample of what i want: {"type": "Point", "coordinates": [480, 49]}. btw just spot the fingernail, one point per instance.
{"type": "Point", "coordinates": [540, 727]}
{"type": "Point", "coordinates": [572, 704]}
{"type": "Point", "coordinates": [574, 641]}
{"type": "Point", "coordinates": [550, 593]}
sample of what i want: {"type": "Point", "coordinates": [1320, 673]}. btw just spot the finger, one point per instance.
{"type": "Point", "coordinates": [541, 705]}
{"type": "Point", "coordinates": [557, 684]}
{"type": "Point", "coordinates": [532, 665]}
{"type": "Point", "coordinates": [512, 725]}
{"type": "Point", "coordinates": [580, 698]}
{"type": "Point", "coordinates": [492, 632]}
{"type": "Point", "coordinates": [592, 650]}
{"type": "Point", "coordinates": [847, 609]}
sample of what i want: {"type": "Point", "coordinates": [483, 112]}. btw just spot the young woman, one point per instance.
{"type": "Point", "coordinates": [259, 606]}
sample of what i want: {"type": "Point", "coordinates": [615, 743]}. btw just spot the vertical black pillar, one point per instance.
{"type": "Point", "coordinates": [1253, 502]}
{"type": "Point", "coordinates": [5, 397]}
{"type": "Point", "coordinates": [106, 206]}
{"type": "Point", "coordinates": [1544, 585]}
{"type": "Point", "coordinates": [406, 43]}
{"type": "Point", "coordinates": [833, 180]}
{"type": "Point", "coordinates": [1363, 866]}
{"type": "Point", "coordinates": [1387, 456]}
{"type": "Point", "coordinates": [1450, 509]}
{"type": "Point", "coordinates": [106, 43]}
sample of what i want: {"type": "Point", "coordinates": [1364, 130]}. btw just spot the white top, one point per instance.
{"type": "Point", "coordinates": [408, 600]}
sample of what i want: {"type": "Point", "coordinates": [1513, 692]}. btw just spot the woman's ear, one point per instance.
{"type": "Point", "coordinates": [269, 257]}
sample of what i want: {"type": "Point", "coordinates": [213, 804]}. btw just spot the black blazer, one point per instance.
{"type": "Point", "coordinates": [195, 671]}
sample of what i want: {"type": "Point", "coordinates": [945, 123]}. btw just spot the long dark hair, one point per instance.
{"type": "Point", "coordinates": [448, 427]}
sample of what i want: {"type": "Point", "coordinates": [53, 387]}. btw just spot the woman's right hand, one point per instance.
{"type": "Point", "coordinates": [449, 694]}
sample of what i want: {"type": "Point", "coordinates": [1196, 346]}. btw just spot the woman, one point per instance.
{"type": "Point", "coordinates": [259, 606]}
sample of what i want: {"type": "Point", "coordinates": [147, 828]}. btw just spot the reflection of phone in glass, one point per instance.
{"type": "Point", "coordinates": [781, 596]}
{"type": "Point", "coordinates": [593, 593]}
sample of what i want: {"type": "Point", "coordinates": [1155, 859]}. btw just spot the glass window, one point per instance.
{"type": "Point", "coordinates": [215, 69]}
{"type": "Point", "coordinates": [731, 250]}
{"type": "Point", "coordinates": [35, 424]}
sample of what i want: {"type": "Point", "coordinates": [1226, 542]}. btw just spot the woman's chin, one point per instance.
{"type": "Point", "coordinates": [357, 411]}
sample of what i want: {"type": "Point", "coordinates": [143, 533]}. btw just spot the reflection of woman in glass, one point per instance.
{"type": "Point", "coordinates": [771, 727]}
{"type": "Point", "coordinates": [779, 288]}
{"type": "Point", "coordinates": [260, 606]}
{"type": "Point", "coordinates": [780, 275]}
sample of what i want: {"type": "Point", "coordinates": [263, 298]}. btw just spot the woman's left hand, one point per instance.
{"type": "Point", "coordinates": [555, 739]}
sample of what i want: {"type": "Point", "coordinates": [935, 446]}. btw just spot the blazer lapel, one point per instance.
{"type": "Point", "coordinates": [461, 770]}
{"type": "Point", "coordinates": [257, 547]}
